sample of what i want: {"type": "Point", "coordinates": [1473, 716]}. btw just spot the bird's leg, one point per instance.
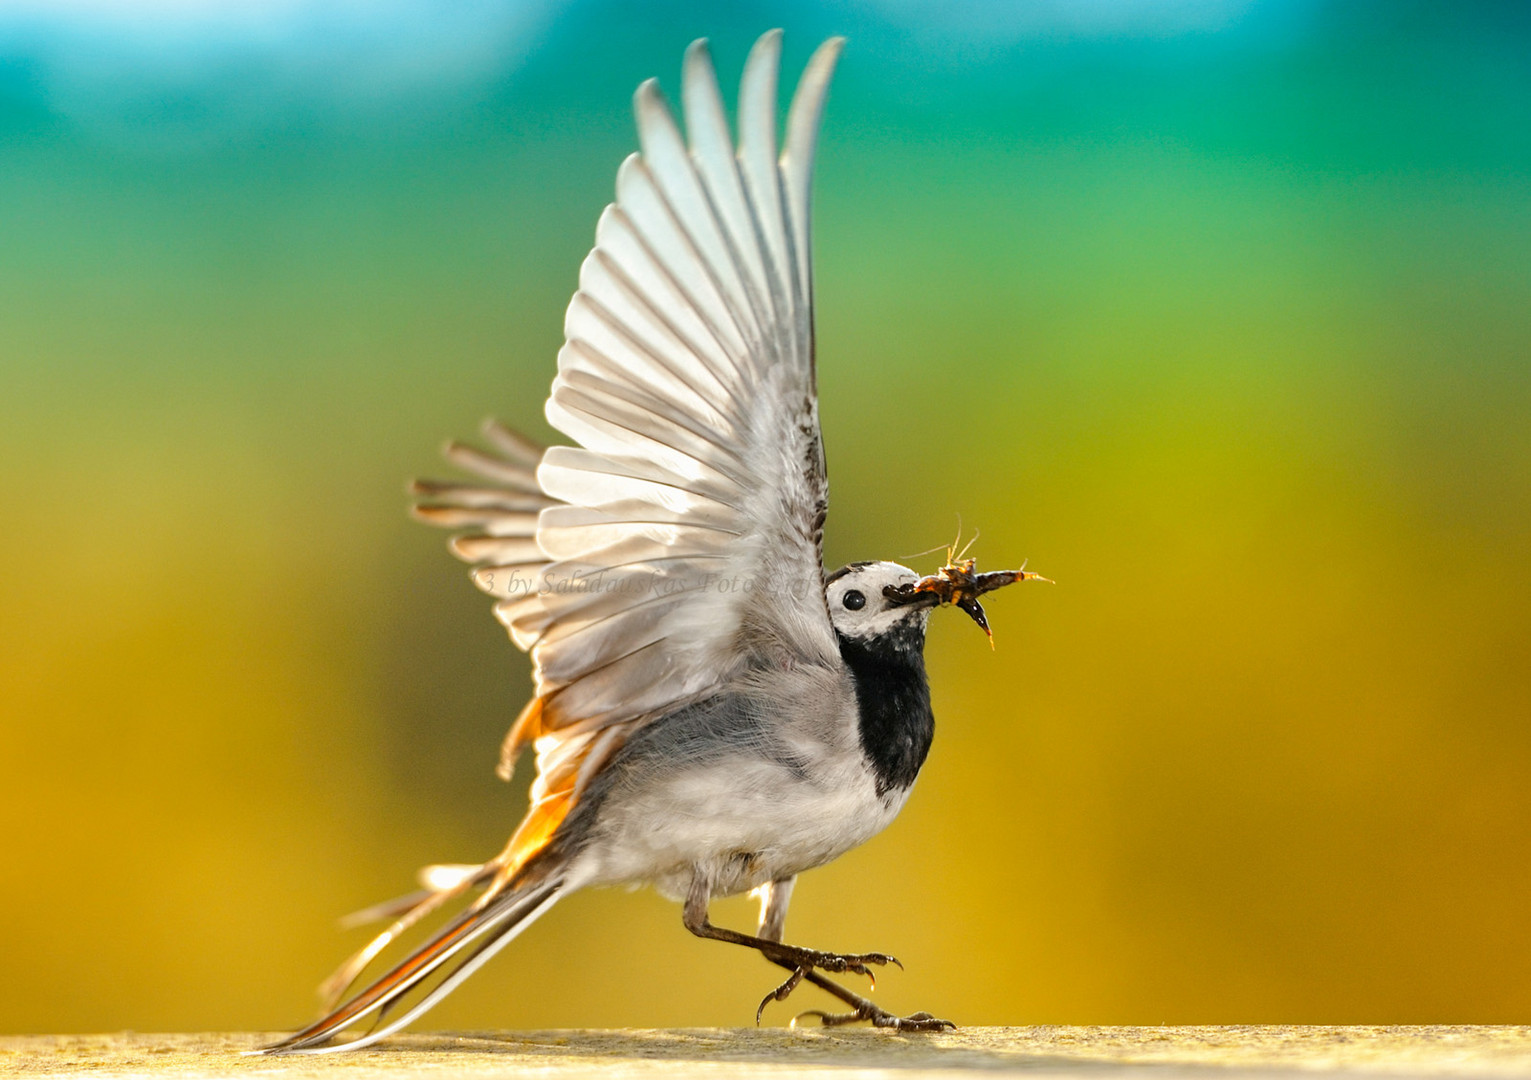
{"type": "Point", "coordinates": [804, 964]}
{"type": "Point", "coordinates": [694, 915]}
{"type": "Point", "coordinates": [774, 898]}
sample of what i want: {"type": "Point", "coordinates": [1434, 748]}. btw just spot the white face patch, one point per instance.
{"type": "Point", "coordinates": [857, 606]}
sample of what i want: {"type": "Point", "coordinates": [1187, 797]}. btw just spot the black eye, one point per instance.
{"type": "Point", "coordinates": [854, 600]}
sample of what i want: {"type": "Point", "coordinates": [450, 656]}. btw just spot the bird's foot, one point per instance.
{"type": "Point", "coordinates": [920, 1021]}
{"type": "Point", "coordinates": [810, 959]}
{"type": "Point", "coordinates": [804, 961]}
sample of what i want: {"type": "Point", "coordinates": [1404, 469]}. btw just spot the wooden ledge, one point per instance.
{"type": "Point", "coordinates": [1037, 1052]}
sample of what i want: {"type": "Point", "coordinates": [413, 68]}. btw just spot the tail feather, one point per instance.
{"type": "Point", "coordinates": [434, 879]}
{"type": "Point", "coordinates": [471, 938]}
{"type": "Point", "coordinates": [405, 912]}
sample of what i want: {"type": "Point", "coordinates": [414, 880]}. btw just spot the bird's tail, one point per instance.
{"type": "Point", "coordinates": [433, 970]}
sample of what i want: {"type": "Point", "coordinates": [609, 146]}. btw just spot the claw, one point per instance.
{"type": "Point", "coordinates": [780, 993]}
{"type": "Point", "coordinates": [857, 968]}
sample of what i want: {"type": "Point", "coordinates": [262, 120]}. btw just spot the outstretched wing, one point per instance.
{"type": "Point", "coordinates": [683, 540]}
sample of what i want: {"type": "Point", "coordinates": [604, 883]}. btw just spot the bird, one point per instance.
{"type": "Point", "coordinates": [713, 712]}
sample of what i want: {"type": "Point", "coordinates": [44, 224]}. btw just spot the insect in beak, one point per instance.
{"type": "Point", "coordinates": [957, 584]}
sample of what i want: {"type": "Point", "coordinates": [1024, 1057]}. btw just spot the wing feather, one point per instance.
{"type": "Point", "coordinates": [677, 545]}
{"type": "Point", "coordinates": [797, 166]}
{"type": "Point", "coordinates": [639, 199]}
{"type": "Point", "coordinates": [498, 549]}
{"type": "Point", "coordinates": [712, 155]}
{"type": "Point", "coordinates": [620, 417]}
{"type": "Point", "coordinates": [680, 189]}
{"type": "Point", "coordinates": [758, 164]}
{"type": "Point", "coordinates": [694, 309]}
{"type": "Point", "coordinates": [512, 475]}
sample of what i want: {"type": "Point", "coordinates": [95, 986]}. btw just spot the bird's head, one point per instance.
{"type": "Point", "coordinates": [860, 607]}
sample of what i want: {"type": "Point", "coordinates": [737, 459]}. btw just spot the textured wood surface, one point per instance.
{"type": "Point", "coordinates": [1076, 1052]}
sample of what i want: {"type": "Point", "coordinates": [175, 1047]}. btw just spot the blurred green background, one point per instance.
{"type": "Point", "coordinates": [1218, 312]}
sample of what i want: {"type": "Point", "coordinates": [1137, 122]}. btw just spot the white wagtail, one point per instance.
{"type": "Point", "coordinates": [713, 713]}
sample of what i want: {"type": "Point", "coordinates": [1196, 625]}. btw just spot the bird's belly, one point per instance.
{"type": "Point", "coordinates": [740, 827]}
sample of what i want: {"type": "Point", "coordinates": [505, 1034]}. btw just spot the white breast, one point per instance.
{"type": "Point", "coordinates": [742, 824]}
{"type": "Point", "coordinates": [744, 817]}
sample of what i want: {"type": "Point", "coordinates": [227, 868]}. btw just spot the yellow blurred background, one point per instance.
{"type": "Point", "coordinates": [1216, 311]}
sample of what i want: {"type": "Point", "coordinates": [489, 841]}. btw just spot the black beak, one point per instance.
{"type": "Point", "coordinates": [911, 596]}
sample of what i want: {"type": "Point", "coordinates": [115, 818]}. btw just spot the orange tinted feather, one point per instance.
{"type": "Point", "coordinates": [527, 729]}
{"type": "Point", "coordinates": [534, 834]}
